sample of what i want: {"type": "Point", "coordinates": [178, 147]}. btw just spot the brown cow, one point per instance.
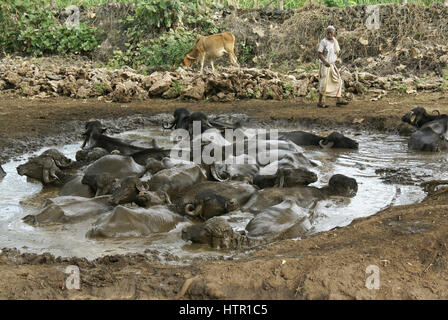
{"type": "Point", "coordinates": [211, 47]}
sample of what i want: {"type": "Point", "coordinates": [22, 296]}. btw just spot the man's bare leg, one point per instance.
{"type": "Point", "coordinates": [320, 104]}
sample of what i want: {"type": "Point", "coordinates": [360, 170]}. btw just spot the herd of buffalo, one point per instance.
{"type": "Point", "coordinates": [140, 190]}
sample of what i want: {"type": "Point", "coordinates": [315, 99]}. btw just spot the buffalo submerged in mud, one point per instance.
{"type": "Point", "coordinates": [432, 130]}
{"type": "Point", "coordinates": [107, 181]}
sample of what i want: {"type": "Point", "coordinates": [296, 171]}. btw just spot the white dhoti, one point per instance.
{"type": "Point", "coordinates": [330, 81]}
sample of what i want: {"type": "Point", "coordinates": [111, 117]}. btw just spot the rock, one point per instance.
{"type": "Point", "coordinates": [429, 85]}
{"type": "Point", "coordinates": [225, 97]}
{"type": "Point", "coordinates": [121, 93]}
{"type": "Point", "coordinates": [273, 91]}
{"type": "Point", "coordinates": [359, 88]}
{"type": "Point", "coordinates": [30, 90]}
{"type": "Point", "coordinates": [444, 59]}
{"type": "Point", "coordinates": [400, 68]}
{"type": "Point", "coordinates": [171, 93]}
{"type": "Point", "coordinates": [83, 93]}
{"type": "Point", "coordinates": [301, 87]}
{"type": "Point", "coordinates": [218, 85]}
{"type": "Point", "coordinates": [12, 78]}
{"type": "Point", "coordinates": [366, 76]}
{"type": "Point", "coordinates": [196, 91]}
{"type": "Point", "coordinates": [382, 83]}
{"type": "Point", "coordinates": [161, 85]}
{"type": "Point", "coordinates": [147, 82]}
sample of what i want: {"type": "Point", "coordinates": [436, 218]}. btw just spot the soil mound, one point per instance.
{"type": "Point", "coordinates": [411, 39]}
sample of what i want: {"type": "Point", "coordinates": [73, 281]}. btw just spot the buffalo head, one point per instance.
{"type": "Point", "coordinates": [181, 116]}
{"type": "Point", "coordinates": [342, 186]}
{"type": "Point", "coordinates": [92, 127]}
{"type": "Point", "coordinates": [417, 117]}
{"type": "Point", "coordinates": [337, 140]}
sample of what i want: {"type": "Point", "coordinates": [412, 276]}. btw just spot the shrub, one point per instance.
{"type": "Point", "coordinates": [27, 27]}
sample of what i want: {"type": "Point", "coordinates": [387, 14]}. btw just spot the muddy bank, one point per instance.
{"type": "Point", "coordinates": [58, 121]}
{"type": "Point", "coordinates": [407, 244]}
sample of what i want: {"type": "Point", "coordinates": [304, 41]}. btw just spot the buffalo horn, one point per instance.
{"type": "Point", "coordinates": [327, 145]}
{"type": "Point", "coordinates": [215, 174]}
{"type": "Point", "coordinates": [191, 210]}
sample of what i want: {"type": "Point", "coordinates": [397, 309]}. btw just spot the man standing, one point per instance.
{"type": "Point", "coordinates": [330, 81]}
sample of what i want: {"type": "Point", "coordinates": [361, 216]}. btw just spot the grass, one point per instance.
{"type": "Point", "coordinates": [287, 4]}
{"type": "Point", "coordinates": [85, 3]}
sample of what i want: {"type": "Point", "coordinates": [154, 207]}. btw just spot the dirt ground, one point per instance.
{"type": "Point", "coordinates": [407, 243]}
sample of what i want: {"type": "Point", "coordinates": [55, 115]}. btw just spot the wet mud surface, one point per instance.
{"type": "Point", "coordinates": [408, 243]}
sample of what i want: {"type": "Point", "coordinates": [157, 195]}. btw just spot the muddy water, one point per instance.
{"type": "Point", "coordinates": [376, 152]}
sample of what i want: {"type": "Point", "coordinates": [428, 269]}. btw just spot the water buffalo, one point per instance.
{"type": "Point", "coordinates": [69, 210]}
{"type": "Point", "coordinates": [128, 191]}
{"type": "Point", "coordinates": [241, 168]}
{"type": "Point", "coordinates": [176, 180]}
{"type": "Point", "coordinates": [126, 222]}
{"type": "Point", "coordinates": [418, 117]}
{"type": "Point", "coordinates": [94, 138]}
{"type": "Point", "coordinates": [285, 177]}
{"type": "Point", "coordinates": [432, 136]}
{"type": "Point", "coordinates": [75, 187]}
{"type": "Point", "coordinates": [89, 155]}
{"type": "Point", "coordinates": [334, 140]}
{"type": "Point", "coordinates": [432, 130]}
{"type": "Point", "coordinates": [184, 120]}
{"type": "Point", "coordinates": [181, 119]}
{"type": "Point", "coordinates": [148, 199]}
{"type": "Point", "coordinates": [101, 184]}
{"type": "Point", "coordinates": [209, 199]}
{"type": "Point", "coordinates": [339, 185]}
{"type": "Point", "coordinates": [284, 221]}
{"type": "Point", "coordinates": [142, 157]}
{"type": "Point", "coordinates": [47, 168]}
{"type": "Point", "coordinates": [92, 126]}
{"type": "Point", "coordinates": [118, 166]}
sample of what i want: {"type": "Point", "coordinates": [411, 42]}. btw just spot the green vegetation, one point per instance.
{"type": "Point", "coordinates": [287, 4]}
{"type": "Point", "coordinates": [162, 53]}
{"type": "Point", "coordinates": [158, 33]}
{"type": "Point", "coordinates": [101, 88]}
{"type": "Point", "coordinates": [27, 27]}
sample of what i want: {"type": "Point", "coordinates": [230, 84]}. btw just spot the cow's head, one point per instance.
{"type": "Point", "coordinates": [188, 60]}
